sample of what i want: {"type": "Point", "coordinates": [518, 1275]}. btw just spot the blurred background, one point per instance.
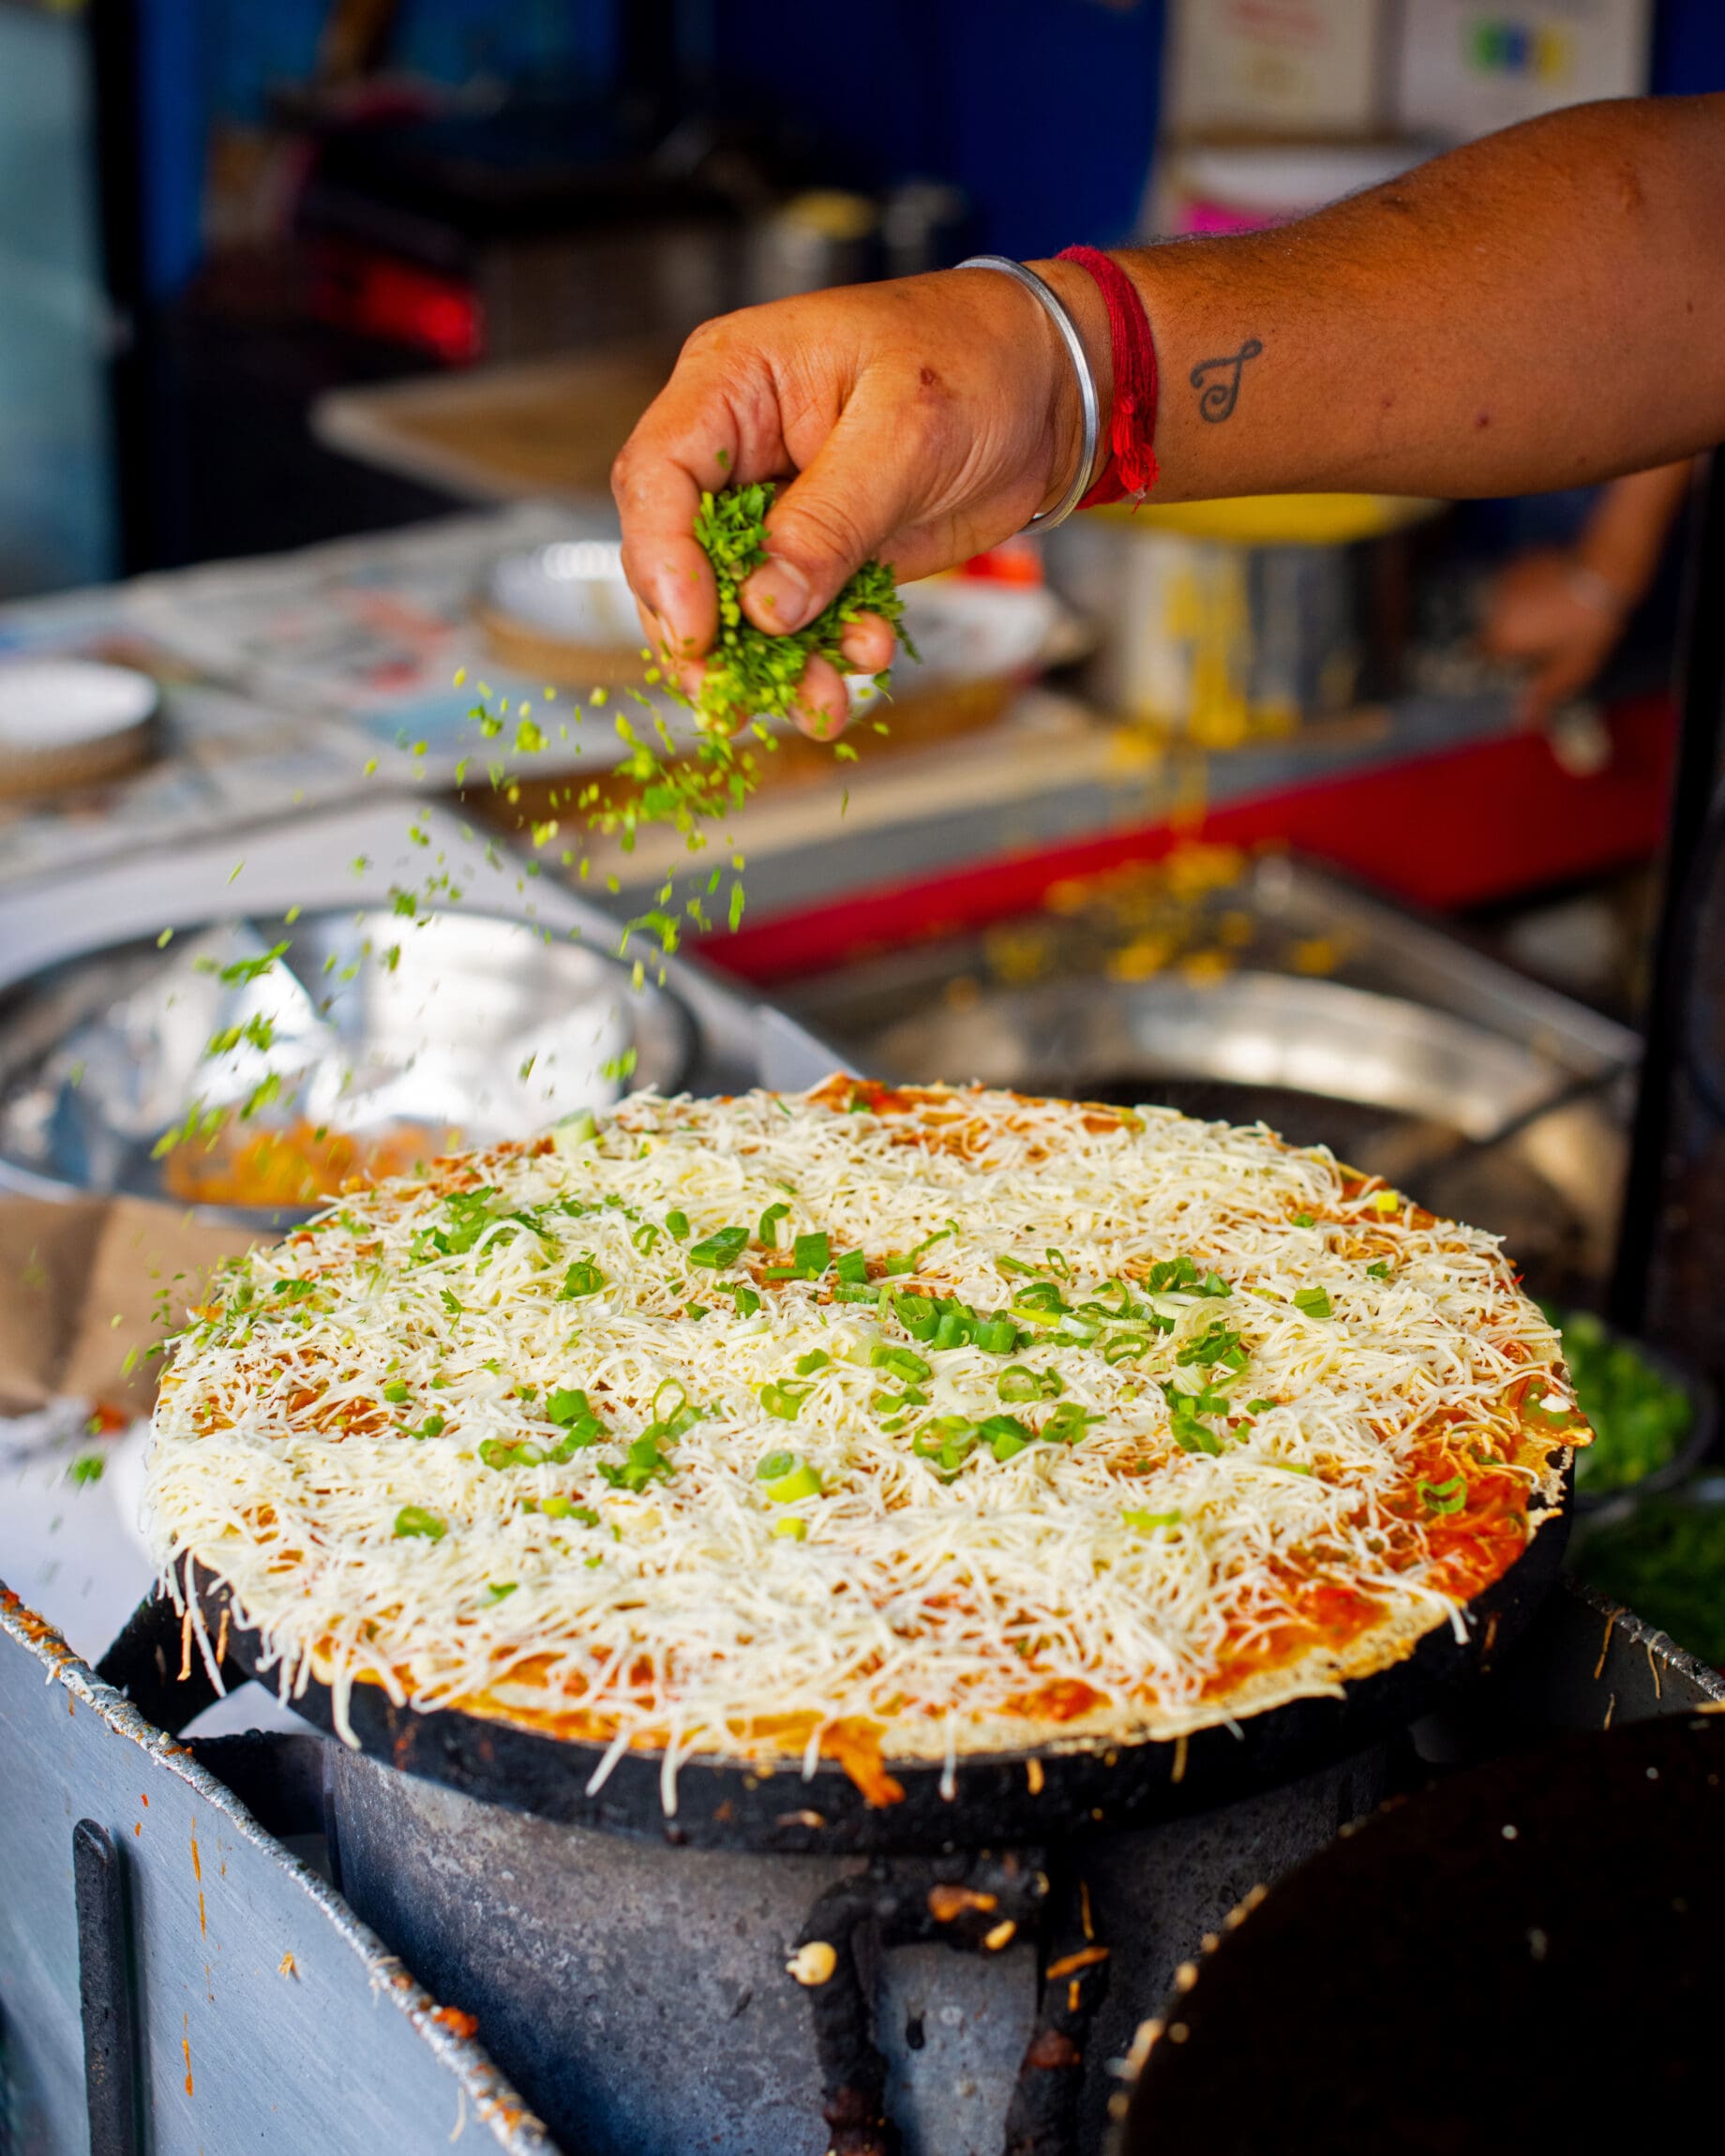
{"type": "Point", "coordinates": [319, 325]}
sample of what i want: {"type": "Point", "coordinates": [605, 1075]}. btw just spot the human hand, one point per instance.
{"type": "Point", "coordinates": [926, 418]}
{"type": "Point", "coordinates": [1561, 619]}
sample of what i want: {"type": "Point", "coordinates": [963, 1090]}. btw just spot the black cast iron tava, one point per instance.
{"type": "Point", "coordinates": [990, 1799]}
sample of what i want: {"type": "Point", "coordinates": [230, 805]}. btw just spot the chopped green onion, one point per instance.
{"type": "Point", "coordinates": [719, 1249]}
{"type": "Point", "coordinates": [811, 1254]}
{"type": "Point", "coordinates": [1119, 1347]}
{"type": "Point", "coordinates": [1304, 1220]}
{"type": "Point", "coordinates": [747, 1302]}
{"type": "Point", "coordinates": [1314, 1302]}
{"type": "Point", "coordinates": [395, 1393]}
{"type": "Point", "coordinates": [997, 1336]}
{"type": "Point", "coordinates": [792, 1530]}
{"type": "Point", "coordinates": [644, 1238]}
{"type": "Point", "coordinates": [918, 1314]}
{"type": "Point", "coordinates": [1149, 1522]}
{"type": "Point", "coordinates": [1380, 1270]}
{"type": "Point", "coordinates": [1018, 1382]}
{"type": "Point", "coordinates": [645, 1462]}
{"type": "Point", "coordinates": [948, 1441]}
{"type": "Point", "coordinates": [928, 1242]}
{"type": "Point", "coordinates": [566, 1508]}
{"type": "Point", "coordinates": [415, 1520]}
{"type": "Point", "coordinates": [499, 1590]}
{"type": "Point", "coordinates": [817, 1358]}
{"type": "Point", "coordinates": [957, 1328]}
{"type": "Point", "coordinates": [1067, 1423]}
{"type": "Point", "coordinates": [902, 1362]}
{"type": "Point", "coordinates": [677, 1225]}
{"type": "Point", "coordinates": [798, 1481]}
{"type": "Point", "coordinates": [774, 1466]}
{"type": "Point", "coordinates": [1259, 1406]}
{"type": "Point", "coordinates": [1445, 1497]}
{"type": "Point", "coordinates": [767, 1230]}
{"type": "Point", "coordinates": [784, 1401]}
{"type": "Point", "coordinates": [582, 1279]}
{"type": "Point", "coordinates": [852, 1269]}
{"type": "Point", "coordinates": [1216, 1344]}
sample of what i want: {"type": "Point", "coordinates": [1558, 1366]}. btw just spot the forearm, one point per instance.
{"type": "Point", "coordinates": [1539, 309]}
{"type": "Point", "coordinates": [1625, 535]}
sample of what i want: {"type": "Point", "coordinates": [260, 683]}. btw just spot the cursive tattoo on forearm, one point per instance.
{"type": "Point", "coordinates": [1217, 398]}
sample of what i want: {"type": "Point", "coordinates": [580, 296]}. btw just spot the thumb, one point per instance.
{"type": "Point", "coordinates": [852, 497]}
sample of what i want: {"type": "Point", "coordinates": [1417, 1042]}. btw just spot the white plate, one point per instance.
{"type": "Point", "coordinates": [56, 704]}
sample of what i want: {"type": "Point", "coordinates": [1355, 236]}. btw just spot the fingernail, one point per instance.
{"type": "Point", "coordinates": [778, 595]}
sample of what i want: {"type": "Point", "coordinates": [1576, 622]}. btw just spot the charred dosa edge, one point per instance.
{"type": "Point", "coordinates": [1103, 1428]}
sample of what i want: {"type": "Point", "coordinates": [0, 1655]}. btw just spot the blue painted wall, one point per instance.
{"type": "Point", "coordinates": [1044, 110]}
{"type": "Point", "coordinates": [1689, 47]}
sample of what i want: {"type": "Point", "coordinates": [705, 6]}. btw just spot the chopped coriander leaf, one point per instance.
{"type": "Point", "coordinates": [749, 672]}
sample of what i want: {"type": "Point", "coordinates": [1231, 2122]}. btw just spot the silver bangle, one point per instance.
{"type": "Point", "coordinates": [1090, 402]}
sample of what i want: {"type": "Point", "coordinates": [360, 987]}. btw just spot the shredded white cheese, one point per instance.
{"type": "Point", "coordinates": [333, 1436]}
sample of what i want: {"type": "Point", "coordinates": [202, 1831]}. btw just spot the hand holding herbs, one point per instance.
{"type": "Point", "coordinates": [926, 418]}
{"type": "Point", "coordinates": [753, 674]}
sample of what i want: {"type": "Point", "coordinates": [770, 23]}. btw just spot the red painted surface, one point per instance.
{"type": "Point", "coordinates": [1455, 828]}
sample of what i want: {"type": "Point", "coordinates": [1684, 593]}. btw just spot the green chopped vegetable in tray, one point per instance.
{"type": "Point", "coordinates": [751, 674]}
{"type": "Point", "coordinates": [1667, 1562]}
{"type": "Point", "coordinates": [1639, 1418]}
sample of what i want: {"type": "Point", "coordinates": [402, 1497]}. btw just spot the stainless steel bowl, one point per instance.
{"type": "Point", "coordinates": [360, 1022]}
{"type": "Point", "coordinates": [1399, 1089]}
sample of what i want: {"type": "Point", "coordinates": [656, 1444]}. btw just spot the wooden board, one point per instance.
{"type": "Point", "coordinates": [501, 433]}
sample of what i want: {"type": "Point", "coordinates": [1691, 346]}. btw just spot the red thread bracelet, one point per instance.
{"type": "Point", "coordinates": [1131, 468]}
